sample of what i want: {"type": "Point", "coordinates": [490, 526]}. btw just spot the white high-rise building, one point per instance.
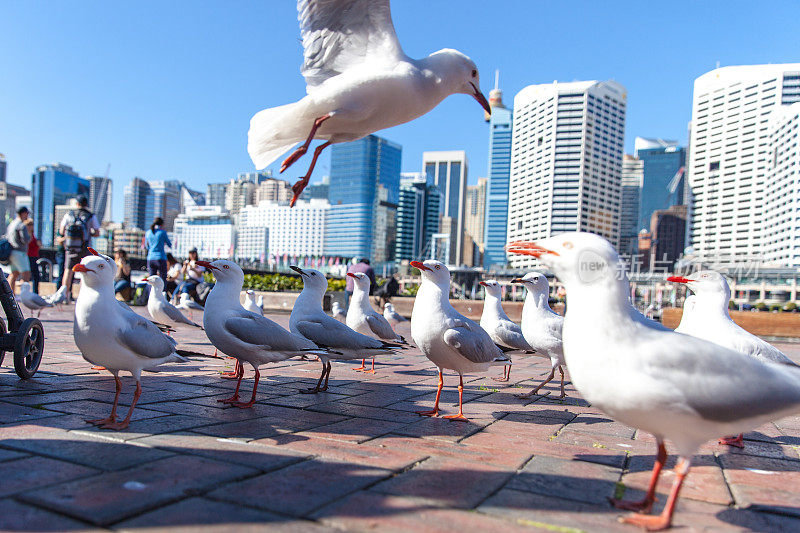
{"type": "Point", "coordinates": [297, 230]}
{"type": "Point", "coordinates": [566, 161]}
{"type": "Point", "coordinates": [781, 213]}
{"type": "Point", "coordinates": [729, 158]}
{"type": "Point", "coordinates": [208, 228]}
{"type": "Point", "coordinates": [448, 171]}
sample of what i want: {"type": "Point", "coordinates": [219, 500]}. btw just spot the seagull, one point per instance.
{"type": "Point", "coordinates": [358, 81]}
{"type": "Point", "coordinates": [363, 319]}
{"type": "Point", "coordinates": [310, 321]}
{"type": "Point", "coordinates": [113, 336]}
{"type": "Point", "coordinates": [338, 313]}
{"type": "Point", "coordinates": [677, 387]}
{"type": "Point", "coordinates": [503, 331]}
{"type": "Point", "coordinates": [160, 309]}
{"type": "Point", "coordinates": [250, 302]}
{"type": "Point", "coordinates": [31, 300]}
{"type": "Point", "coordinates": [708, 318]}
{"type": "Point", "coordinates": [59, 297]}
{"type": "Point", "coordinates": [245, 335]}
{"type": "Point", "coordinates": [260, 303]}
{"type": "Point", "coordinates": [541, 326]}
{"type": "Point", "coordinates": [391, 315]}
{"type": "Point", "coordinates": [446, 337]}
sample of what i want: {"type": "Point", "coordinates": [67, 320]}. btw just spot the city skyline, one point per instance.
{"type": "Point", "coordinates": [164, 108]}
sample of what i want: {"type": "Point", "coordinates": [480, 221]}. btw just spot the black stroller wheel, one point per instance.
{"type": "Point", "coordinates": [28, 348]}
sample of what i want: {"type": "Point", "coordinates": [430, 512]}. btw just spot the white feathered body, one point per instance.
{"type": "Point", "coordinates": [542, 327]}
{"type": "Point", "coordinates": [674, 386]}
{"type": "Point", "coordinates": [358, 100]}
{"type": "Point", "coordinates": [436, 326]}
{"type": "Point", "coordinates": [96, 323]}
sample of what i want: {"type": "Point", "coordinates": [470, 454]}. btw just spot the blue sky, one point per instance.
{"type": "Point", "coordinates": [165, 90]}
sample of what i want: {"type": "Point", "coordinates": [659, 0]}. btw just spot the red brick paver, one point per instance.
{"type": "Point", "coordinates": [355, 458]}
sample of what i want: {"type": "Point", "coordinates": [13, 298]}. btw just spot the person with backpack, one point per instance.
{"type": "Point", "coordinates": [18, 237]}
{"type": "Point", "coordinates": [77, 227]}
{"type": "Point", "coordinates": [155, 240]}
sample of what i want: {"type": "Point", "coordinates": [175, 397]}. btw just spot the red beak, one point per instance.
{"type": "Point", "coordinates": [206, 264]}
{"type": "Point", "coordinates": [517, 280]}
{"type": "Point", "coordinates": [352, 275]}
{"type": "Point", "coordinates": [483, 283]}
{"type": "Point", "coordinates": [679, 279]}
{"type": "Point", "coordinates": [417, 264]}
{"type": "Point", "coordinates": [81, 268]}
{"type": "Point", "coordinates": [528, 248]}
{"type": "Point", "coordinates": [478, 95]}
{"type": "Point", "coordinates": [92, 250]}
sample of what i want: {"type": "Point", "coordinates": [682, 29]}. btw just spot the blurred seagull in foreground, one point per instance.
{"type": "Point", "coordinates": [358, 81]}
{"type": "Point", "coordinates": [675, 386]}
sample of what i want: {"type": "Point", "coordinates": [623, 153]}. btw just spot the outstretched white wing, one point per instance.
{"type": "Point", "coordinates": [340, 33]}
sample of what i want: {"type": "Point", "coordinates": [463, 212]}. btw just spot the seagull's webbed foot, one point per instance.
{"type": "Point", "coordinates": [102, 421]}
{"type": "Point", "coordinates": [297, 154]}
{"type": "Point", "coordinates": [640, 506]}
{"type": "Point", "coordinates": [459, 416]}
{"type": "Point", "coordinates": [232, 400]}
{"type": "Point", "coordinates": [432, 412]}
{"type": "Point", "coordinates": [117, 426]}
{"type": "Point", "coordinates": [648, 522]}
{"type": "Point", "coordinates": [737, 442]}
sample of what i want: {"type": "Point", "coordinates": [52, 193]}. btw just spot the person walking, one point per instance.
{"type": "Point", "coordinates": [18, 237]}
{"type": "Point", "coordinates": [77, 227]}
{"type": "Point", "coordinates": [155, 240]}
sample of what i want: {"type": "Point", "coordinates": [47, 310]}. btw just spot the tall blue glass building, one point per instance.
{"type": "Point", "coordinates": [364, 192]}
{"type": "Point", "coordinates": [662, 160]}
{"type": "Point", "coordinates": [53, 185]}
{"type": "Point", "coordinates": [496, 226]}
{"type": "Point", "coordinates": [417, 216]}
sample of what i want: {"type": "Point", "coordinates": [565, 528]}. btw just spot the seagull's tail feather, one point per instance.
{"type": "Point", "coordinates": [502, 360]}
{"type": "Point", "coordinates": [189, 353]}
{"type": "Point", "coordinates": [177, 357]}
{"type": "Point", "coordinates": [271, 133]}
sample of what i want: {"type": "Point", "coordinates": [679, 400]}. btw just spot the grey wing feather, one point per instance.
{"type": "Point", "coordinates": [509, 334]}
{"type": "Point", "coordinates": [381, 327]}
{"type": "Point", "coordinates": [143, 338]}
{"type": "Point", "coordinates": [260, 331]}
{"type": "Point", "coordinates": [471, 341]}
{"type": "Point", "coordinates": [339, 33]}
{"type": "Point", "coordinates": [175, 314]}
{"type": "Point", "coordinates": [721, 384]}
{"type": "Point", "coordinates": [334, 334]}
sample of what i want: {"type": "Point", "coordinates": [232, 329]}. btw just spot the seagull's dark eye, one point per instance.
{"type": "Point", "coordinates": [437, 267]}
{"type": "Point", "coordinates": [101, 266]}
{"type": "Point", "coordinates": [474, 73]}
{"type": "Point", "coordinates": [568, 245]}
{"type": "Point", "coordinates": [225, 267]}
{"type": "Point", "coordinates": [313, 273]}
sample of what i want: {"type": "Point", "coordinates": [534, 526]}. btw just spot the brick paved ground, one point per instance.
{"type": "Point", "coordinates": [354, 458]}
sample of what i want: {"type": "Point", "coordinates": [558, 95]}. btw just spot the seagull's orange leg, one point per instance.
{"type": "Point", "coordinates": [241, 405]}
{"type": "Point", "coordinates": [326, 371]}
{"type": "Point", "coordinates": [113, 416]}
{"type": "Point", "coordinates": [300, 185]}
{"type": "Point", "coordinates": [300, 152]}
{"type": "Point", "coordinates": [435, 410]}
{"type": "Point", "coordinates": [733, 441]}
{"type": "Point", "coordinates": [362, 367]}
{"type": "Point", "coordinates": [239, 375]}
{"type": "Point", "coordinates": [664, 520]}
{"type": "Point", "coordinates": [646, 504]}
{"type": "Point", "coordinates": [506, 374]}
{"type": "Point", "coordinates": [125, 423]}
{"type": "Point", "coordinates": [235, 373]}
{"type": "Point", "coordinates": [542, 384]}
{"type": "Point", "coordinates": [460, 415]}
